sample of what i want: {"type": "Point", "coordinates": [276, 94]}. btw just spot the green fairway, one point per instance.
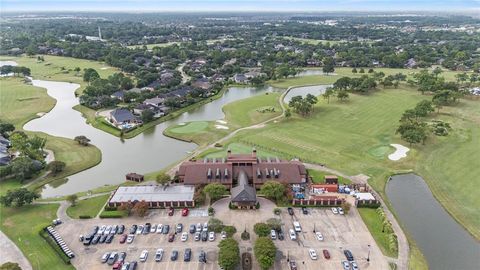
{"type": "Point", "coordinates": [22, 226]}
{"type": "Point", "coordinates": [192, 127]}
{"type": "Point", "coordinates": [237, 148]}
{"type": "Point", "coordinates": [87, 207]}
{"type": "Point", "coordinates": [374, 224]}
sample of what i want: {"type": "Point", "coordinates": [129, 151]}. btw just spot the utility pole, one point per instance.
{"type": "Point", "coordinates": [368, 257]}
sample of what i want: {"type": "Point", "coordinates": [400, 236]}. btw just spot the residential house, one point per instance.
{"type": "Point", "coordinates": [411, 63]}
{"type": "Point", "coordinates": [240, 78]}
{"type": "Point", "coordinates": [5, 156]}
{"type": "Point", "coordinates": [202, 83]}
{"type": "Point", "coordinates": [120, 95]}
{"type": "Point", "coordinates": [121, 117]}
{"type": "Point", "coordinates": [313, 63]}
{"type": "Point", "coordinates": [217, 77]}
{"type": "Point", "coordinates": [136, 90]}
{"type": "Point", "coordinates": [156, 101]}
{"type": "Point", "coordinates": [253, 74]}
{"type": "Point", "coordinates": [153, 85]}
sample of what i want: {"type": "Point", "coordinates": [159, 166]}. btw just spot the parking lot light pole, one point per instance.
{"type": "Point", "coordinates": [313, 227]}
{"type": "Point", "coordinates": [368, 257]}
{"type": "Point", "coordinates": [288, 256]}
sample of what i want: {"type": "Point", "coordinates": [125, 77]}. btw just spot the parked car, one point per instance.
{"type": "Point", "coordinates": [121, 229]}
{"type": "Point", "coordinates": [123, 238]}
{"type": "Point", "coordinates": [319, 236]}
{"type": "Point", "coordinates": [87, 240]}
{"type": "Point", "coordinates": [125, 266]}
{"type": "Point", "coordinates": [159, 255]}
{"type": "Point", "coordinates": [144, 255]}
{"type": "Point", "coordinates": [153, 229]}
{"type": "Point", "coordinates": [130, 238]}
{"type": "Point", "coordinates": [223, 235]}
{"type": "Point", "coordinates": [326, 254]}
{"type": "Point", "coordinates": [146, 228]}
{"type": "Point", "coordinates": [132, 266]}
{"type": "Point", "coordinates": [96, 239]}
{"type": "Point", "coordinates": [171, 237]}
{"type": "Point", "coordinates": [185, 212]}
{"type": "Point", "coordinates": [354, 266]}
{"type": "Point", "coordinates": [198, 227]}
{"type": "Point", "coordinates": [280, 235]}
{"type": "Point", "coordinates": [205, 226]}
{"type": "Point", "coordinates": [133, 229]}
{"type": "Point", "coordinates": [346, 265]}
{"type": "Point", "coordinates": [174, 255]}
{"type": "Point", "coordinates": [202, 257]}
{"type": "Point", "coordinates": [211, 236]}
{"type": "Point", "coordinates": [102, 229]}
{"type": "Point", "coordinates": [112, 258]}
{"type": "Point", "coordinates": [114, 229]}
{"type": "Point", "coordinates": [166, 229]}
{"type": "Point", "coordinates": [187, 255]}
{"type": "Point", "coordinates": [290, 211]}
{"type": "Point", "coordinates": [179, 228]}
{"type": "Point", "coordinates": [184, 237]}
{"type": "Point", "coordinates": [273, 235]}
{"type": "Point", "coordinates": [105, 257]}
{"type": "Point", "coordinates": [102, 239]}
{"type": "Point", "coordinates": [107, 230]}
{"type": "Point", "coordinates": [313, 254]}
{"type": "Point", "coordinates": [117, 265]}
{"type": "Point", "coordinates": [340, 211]}
{"type": "Point", "coordinates": [171, 211]}
{"type": "Point", "coordinates": [121, 257]}
{"type": "Point", "coordinates": [292, 234]}
{"type": "Point", "coordinates": [192, 228]}
{"type": "Point", "coordinates": [293, 265]}
{"type": "Point", "coordinates": [334, 210]}
{"type": "Point", "coordinates": [109, 238]}
{"type": "Point", "coordinates": [304, 211]}
{"type": "Point", "coordinates": [197, 236]}
{"type": "Point", "coordinates": [95, 229]}
{"type": "Point", "coordinates": [139, 229]}
{"type": "Point", "coordinates": [348, 255]}
{"type": "Point", "coordinates": [204, 236]}
{"type": "Point", "coordinates": [159, 228]}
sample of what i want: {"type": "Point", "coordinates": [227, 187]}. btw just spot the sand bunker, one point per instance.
{"type": "Point", "coordinates": [221, 127]}
{"type": "Point", "coordinates": [221, 122]}
{"type": "Point", "coordinates": [103, 68]}
{"type": "Point", "coordinates": [400, 152]}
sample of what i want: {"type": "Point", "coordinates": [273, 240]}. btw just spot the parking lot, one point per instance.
{"type": "Point", "coordinates": [340, 232]}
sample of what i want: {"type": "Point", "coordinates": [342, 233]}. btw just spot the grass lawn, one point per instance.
{"type": "Point", "coordinates": [191, 127]}
{"type": "Point", "coordinates": [87, 207]}
{"type": "Point", "coordinates": [22, 226]}
{"type": "Point", "coordinates": [318, 177]}
{"type": "Point", "coordinates": [374, 224]}
{"type": "Point", "coordinates": [239, 148]}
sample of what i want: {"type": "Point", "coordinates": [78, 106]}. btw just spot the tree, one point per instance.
{"type": "Point", "coordinates": [424, 108]}
{"type": "Point", "coordinates": [274, 223]}
{"type": "Point", "coordinates": [23, 168]}
{"type": "Point", "coordinates": [6, 127]}
{"type": "Point", "coordinates": [18, 197]}
{"type": "Point", "coordinates": [56, 166]}
{"type": "Point", "coordinates": [437, 71]}
{"type": "Point", "coordinates": [215, 190]}
{"type": "Point", "coordinates": [140, 208]}
{"type": "Point", "coordinates": [215, 225]}
{"type": "Point", "coordinates": [72, 199]}
{"type": "Point", "coordinates": [163, 179]}
{"type": "Point", "coordinates": [262, 229]}
{"type": "Point", "coordinates": [342, 95]}
{"type": "Point", "coordinates": [412, 131]}
{"type": "Point", "coordinates": [328, 65]}
{"type": "Point", "coordinates": [346, 207]}
{"type": "Point", "coordinates": [90, 74]}
{"type": "Point", "coordinates": [328, 93]}
{"type": "Point", "coordinates": [228, 254]}
{"type": "Point", "coordinates": [82, 140]}
{"type": "Point", "coordinates": [288, 113]}
{"type": "Point", "coordinates": [10, 266]}
{"type": "Point", "coordinates": [354, 70]}
{"type": "Point", "coordinates": [147, 115]}
{"type": "Point", "coordinates": [265, 252]}
{"type": "Point", "coordinates": [273, 190]}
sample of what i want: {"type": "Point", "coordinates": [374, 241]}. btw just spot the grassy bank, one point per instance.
{"type": "Point", "coordinates": [87, 207]}
{"type": "Point", "coordinates": [374, 225]}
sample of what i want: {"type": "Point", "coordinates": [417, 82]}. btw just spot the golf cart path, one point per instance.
{"type": "Point", "coordinates": [9, 252]}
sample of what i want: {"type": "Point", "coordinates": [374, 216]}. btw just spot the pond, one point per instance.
{"type": "Point", "coordinates": [147, 152]}
{"type": "Point", "coordinates": [445, 244]}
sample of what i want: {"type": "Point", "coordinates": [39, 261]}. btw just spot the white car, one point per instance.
{"type": "Point", "coordinates": [139, 229]}
{"type": "Point", "coordinates": [340, 211]}
{"type": "Point", "coordinates": [144, 255]}
{"type": "Point", "coordinates": [130, 238]}
{"type": "Point", "coordinates": [292, 234]}
{"type": "Point", "coordinates": [205, 227]}
{"type": "Point", "coordinates": [313, 254]}
{"type": "Point", "coordinates": [159, 255]}
{"type": "Point", "coordinates": [184, 236]}
{"type": "Point", "coordinates": [354, 265]}
{"type": "Point", "coordinates": [211, 236]}
{"type": "Point", "coordinates": [334, 210]}
{"type": "Point", "coordinates": [199, 227]}
{"type": "Point", "coordinates": [107, 230]}
{"type": "Point", "coordinates": [159, 228]}
{"type": "Point", "coordinates": [197, 236]}
{"type": "Point", "coordinates": [319, 236]}
{"type": "Point", "coordinates": [153, 229]}
{"type": "Point", "coordinates": [273, 235]}
{"type": "Point", "coordinates": [346, 265]}
{"type": "Point", "coordinates": [101, 230]}
{"type": "Point", "coordinates": [223, 235]}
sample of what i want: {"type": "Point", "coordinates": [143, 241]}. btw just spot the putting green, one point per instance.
{"type": "Point", "coordinates": [380, 151]}
{"type": "Point", "coordinates": [192, 127]}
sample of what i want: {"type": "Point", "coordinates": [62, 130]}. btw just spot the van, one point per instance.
{"type": "Point", "coordinates": [296, 226]}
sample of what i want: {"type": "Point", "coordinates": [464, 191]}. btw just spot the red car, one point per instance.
{"type": "Point", "coordinates": [117, 265]}
{"type": "Point", "coordinates": [171, 237]}
{"type": "Point", "coordinates": [185, 212]}
{"type": "Point", "coordinates": [171, 211]}
{"type": "Point", "coordinates": [123, 238]}
{"type": "Point", "coordinates": [326, 254]}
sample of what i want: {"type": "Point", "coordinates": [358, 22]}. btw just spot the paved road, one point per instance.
{"type": "Point", "coordinates": [9, 252]}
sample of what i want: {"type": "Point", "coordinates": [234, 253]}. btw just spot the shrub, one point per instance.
{"type": "Point", "coordinates": [245, 235]}
{"type": "Point", "coordinates": [84, 217]}
{"type": "Point", "coordinates": [54, 245]}
{"type": "Point", "coordinates": [257, 206]}
{"type": "Point", "coordinates": [211, 211]}
{"type": "Point", "coordinates": [230, 230]}
{"type": "Point", "coordinates": [265, 251]}
{"type": "Point", "coordinates": [216, 225]}
{"type": "Point", "coordinates": [277, 211]}
{"type": "Point", "coordinates": [110, 208]}
{"type": "Point", "coordinates": [113, 214]}
{"type": "Point", "coordinates": [262, 229]}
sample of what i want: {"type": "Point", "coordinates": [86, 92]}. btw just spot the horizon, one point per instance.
{"type": "Point", "coordinates": [215, 6]}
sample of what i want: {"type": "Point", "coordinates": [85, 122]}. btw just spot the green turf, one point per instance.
{"type": "Point", "coordinates": [22, 226]}
{"type": "Point", "coordinates": [374, 225]}
{"type": "Point", "coordinates": [87, 207]}
{"type": "Point", "coordinates": [318, 177]}
{"type": "Point", "coordinates": [191, 127]}
{"type": "Point", "coordinates": [237, 148]}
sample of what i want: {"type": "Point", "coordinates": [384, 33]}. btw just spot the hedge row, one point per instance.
{"type": "Point", "coordinates": [113, 214]}
{"type": "Point", "coordinates": [54, 245]}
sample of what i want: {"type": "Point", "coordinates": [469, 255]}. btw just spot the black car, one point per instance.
{"type": "Point", "coordinates": [348, 255]}
{"type": "Point", "coordinates": [132, 265]}
{"type": "Point", "coordinates": [204, 236]}
{"type": "Point", "coordinates": [109, 239]}
{"type": "Point", "coordinates": [95, 229]}
{"type": "Point", "coordinates": [188, 255]}
{"type": "Point", "coordinates": [280, 235]}
{"type": "Point", "coordinates": [102, 239]}
{"type": "Point", "coordinates": [121, 257]}
{"type": "Point", "coordinates": [146, 228]}
{"type": "Point", "coordinates": [133, 229]}
{"type": "Point", "coordinates": [166, 229]}
{"type": "Point", "coordinates": [121, 229]}
{"type": "Point", "coordinates": [174, 255]}
{"type": "Point", "coordinates": [96, 239]}
{"type": "Point", "coordinates": [290, 211]}
{"type": "Point", "coordinates": [192, 229]}
{"type": "Point", "coordinates": [304, 211]}
{"type": "Point", "coordinates": [202, 257]}
{"type": "Point", "coordinates": [179, 228]}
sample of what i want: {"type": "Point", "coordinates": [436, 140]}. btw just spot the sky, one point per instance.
{"type": "Point", "coordinates": [239, 5]}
